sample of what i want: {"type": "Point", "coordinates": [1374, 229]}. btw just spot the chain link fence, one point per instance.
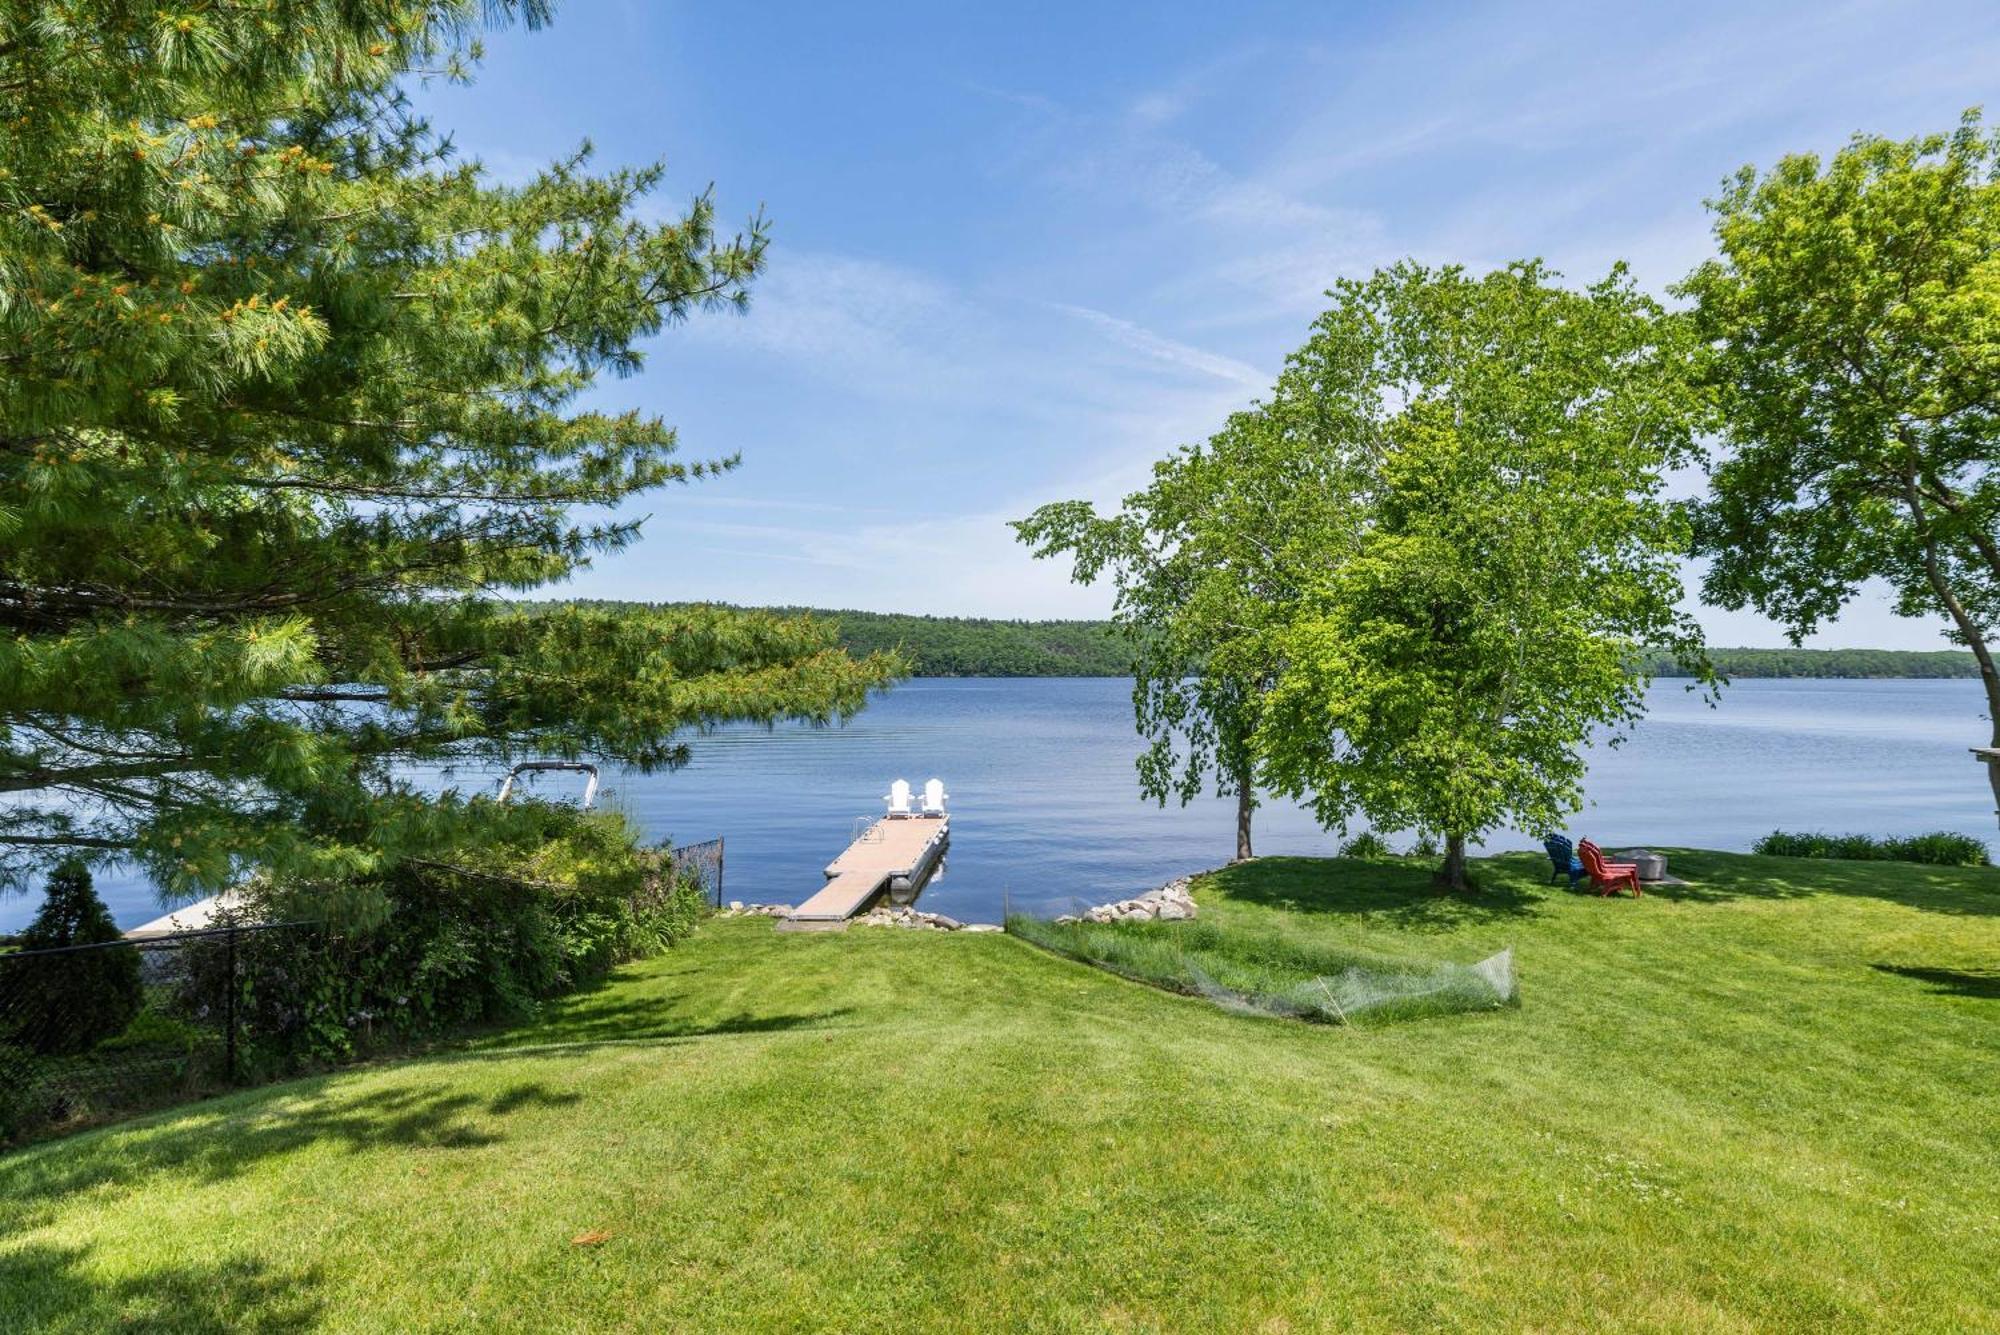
{"type": "Point", "coordinates": [702, 864]}
{"type": "Point", "coordinates": [97, 1031]}
{"type": "Point", "coordinates": [90, 1032]}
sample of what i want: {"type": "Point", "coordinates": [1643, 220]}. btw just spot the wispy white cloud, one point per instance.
{"type": "Point", "coordinates": [1086, 398]}
{"type": "Point", "coordinates": [954, 563]}
{"type": "Point", "coordinates": [1055, 371]}
{"type": "Point", "coordinates": [1084, 264]}
{"type": "Point", "coordinates": [1158, 108]}
{"type": "Point", "coordinates": [1035, 102]}
{"type": "Point", "coordinates": [944, 564]}
{"type": "Point", "coordinates": [865, 323]}
{"type": "Point", "coordinates": [1169, 351]}
{"type": "Point", "coordinates": [1190, 88]}
{"type": "Point", "coordinates": [1226, 246]}
{"type": "Point", "coordinates": [1166, 176]}
{"type": "Point", "coordinates": [699, 498]}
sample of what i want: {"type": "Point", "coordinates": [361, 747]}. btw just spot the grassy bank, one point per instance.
{"type": "Point", "coordinates": [1766, 1100]}
{"type": "Point", "coordinates": [1272, 973]}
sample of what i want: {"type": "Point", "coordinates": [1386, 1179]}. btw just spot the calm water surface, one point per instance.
{"type": "Point", "coordinates": [1046, 815]}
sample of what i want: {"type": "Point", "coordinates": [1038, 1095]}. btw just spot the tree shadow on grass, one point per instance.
{"type": "Point", "coordinates": [51, 1288]}
{"type": "Point", "coordinates": [217, 1144]}
{"type": "Point", "coordinates": [1719, 878]}
{"type": "Point", "coordinates": [1983, 984]}
{"type": "Point", "coordinates": [531, 1094]}
{"type": "Point", "coordinates": [615, 1010]}
{"type": "Point", "coordinates": [1395, 893]}
{"type": "Point", "coordinates": [1398, 892]}
{"type": "Point", "coordinates": [653, 1020]}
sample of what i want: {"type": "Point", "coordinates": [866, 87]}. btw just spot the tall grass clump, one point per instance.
{"type": "Point", "coordinates": [1367, 845]}
{"type": "Point", "coordinates": [1938, 849]}
{"type": "Point", "coordinates": [1273, 975]}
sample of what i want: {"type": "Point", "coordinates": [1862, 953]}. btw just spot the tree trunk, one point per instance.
{"type": "Point", "coordinates": [1451, 876]}
{"type": "Point", "coordinates": [1989, 671]}
{"type": "Point", "coordinates": [1246, 802]}
{"type": "Point", "coordinates": [1991, 679]}
{"type": "Point", "coordinates": [1971, 633]}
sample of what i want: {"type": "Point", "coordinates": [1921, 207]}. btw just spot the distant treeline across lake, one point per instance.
{"type": "Point", "coordinates": [981, 647]}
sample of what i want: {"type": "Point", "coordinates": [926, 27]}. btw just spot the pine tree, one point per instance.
{"type": "Point", "coordinates": [289, 407]}
{"type": "Point", "coordinates": [74, 1000]}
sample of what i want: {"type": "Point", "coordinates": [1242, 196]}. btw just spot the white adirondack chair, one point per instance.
{"type": "Point", "coordinates": [934, 797]}
{"type": "Point", "coordinates": [899, 798]}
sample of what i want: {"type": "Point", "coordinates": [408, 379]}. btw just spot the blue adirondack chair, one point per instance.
{"type": "Point", "coordinates": [1563, 860]}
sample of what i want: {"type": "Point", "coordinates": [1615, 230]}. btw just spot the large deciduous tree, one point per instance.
{"type": "Point", "coordinates": [1205, 565]}
{"type": "Point", "coordinates": [1853, 329]}
{"type": "Point", "coordinates": [1510, 438]}
{"type": "Point", "coordinates": [289, 402]}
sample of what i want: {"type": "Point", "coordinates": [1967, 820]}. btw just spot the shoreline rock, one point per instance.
{"type": "Point", "coordinates": [886, 915]}
{"type": "Point", "coordinates": [1172, 902]}
{"type": "Point", "coordinates": [897, 915]}
{"type": "Point", "coordinates": [738, 909]}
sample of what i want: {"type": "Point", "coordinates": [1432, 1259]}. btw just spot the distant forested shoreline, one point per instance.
{"type": "Point", "coordinates": [984, 647]}
{"type": "Point", "coordinates": [968, 646]}
{"type": "Point", "coordinates": [1891, 663]}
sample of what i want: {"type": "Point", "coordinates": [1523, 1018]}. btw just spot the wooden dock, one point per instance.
{"type": "Point", "coordinates": [894, 848]}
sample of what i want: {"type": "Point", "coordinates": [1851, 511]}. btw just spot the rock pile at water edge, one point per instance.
{"type": "Point", "coordinates": [887, 915]}
{"type": "Point", "coordinates": [1172, 902]}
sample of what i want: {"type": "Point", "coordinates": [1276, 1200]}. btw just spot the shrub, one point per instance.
{"type": "Point", "coordinates": [444, 947]}
{"type": "Point", "coordinates": [17, 1065]}
{"type": "Point", "coordinates": [1367, 844]}
{"type": "Point", "coordinates": [65, 1004]}
{"type": "Point", "coordinates": [1939, 849]}
{"type": "Point", "coordinates": [157, 1029]}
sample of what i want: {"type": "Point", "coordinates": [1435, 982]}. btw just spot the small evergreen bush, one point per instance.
{"type": "Point", "coordinates": [69, 1003]}
{"type": "Point", "coordinates": [1938, 849]}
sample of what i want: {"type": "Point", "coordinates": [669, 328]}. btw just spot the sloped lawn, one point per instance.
{"type": "Point", "coordinates": [1768, 1100]}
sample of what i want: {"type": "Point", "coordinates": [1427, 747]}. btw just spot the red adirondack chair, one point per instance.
{"type": "Point", "coordinates": [1608, 877]}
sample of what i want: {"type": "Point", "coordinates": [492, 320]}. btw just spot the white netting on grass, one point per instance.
{"type": "Point", "coordinates": [1263, 973]}
{"type": "Point", "coordinates": [1360, 992]}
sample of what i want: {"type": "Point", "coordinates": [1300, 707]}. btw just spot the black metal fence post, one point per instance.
{"type": "Point", "coordinates": [229, 983]}
{"type": "Point", "coordinates": [57, 1068]}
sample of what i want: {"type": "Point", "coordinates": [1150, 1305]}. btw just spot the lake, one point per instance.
{"type": "Point", "coordinates": [1046, 814]}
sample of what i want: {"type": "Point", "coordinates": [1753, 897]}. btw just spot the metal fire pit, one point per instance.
{"type": "Point", "coordinates": [1652, 866]}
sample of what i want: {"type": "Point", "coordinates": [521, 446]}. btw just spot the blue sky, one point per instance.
{"type": "Point", "coordinates": [1022, 251]}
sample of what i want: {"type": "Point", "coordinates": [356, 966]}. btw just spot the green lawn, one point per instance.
{"type": "Point", "coordinates": [1769, 1100]}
